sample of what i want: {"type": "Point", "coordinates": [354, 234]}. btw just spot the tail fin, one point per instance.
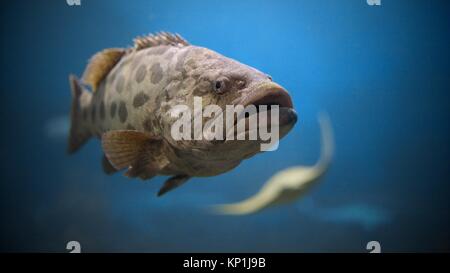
{"type": "Point", "coordinates": [78, 134]}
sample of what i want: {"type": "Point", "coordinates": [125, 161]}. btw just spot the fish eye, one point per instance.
{"type": "Point", "coordinates": [220, 85]}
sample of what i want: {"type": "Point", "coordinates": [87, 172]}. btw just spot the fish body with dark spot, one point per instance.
{"type": "Point", "coordinates": [134, 90]}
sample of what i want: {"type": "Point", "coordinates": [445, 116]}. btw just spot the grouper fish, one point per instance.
{"type": "Point", "coordinates": [125, 97]}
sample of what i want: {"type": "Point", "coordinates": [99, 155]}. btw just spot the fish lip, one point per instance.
{"type": "Point", "coordinates": [288, 116]}
{"type": "Point", "coordinates": [268, 93]}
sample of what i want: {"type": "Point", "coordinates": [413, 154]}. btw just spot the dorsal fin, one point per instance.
{"type": "Point", "coordinates": [160, 38]}
{"type": "Point", "coordinates": [100, 64]}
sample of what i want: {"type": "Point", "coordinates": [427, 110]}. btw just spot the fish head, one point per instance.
{"type": "Point", "coordinates": [225, 83]}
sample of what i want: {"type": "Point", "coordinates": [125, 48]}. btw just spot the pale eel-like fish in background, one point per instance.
{"type": "Point", "coordinates": [290, 184]}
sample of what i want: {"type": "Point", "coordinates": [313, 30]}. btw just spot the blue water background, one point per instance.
{"type": "Point", "coordinates": [381, 72]}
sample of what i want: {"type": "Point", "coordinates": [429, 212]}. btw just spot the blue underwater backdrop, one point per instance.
{"type": "Point", "coordinates": [381, 72]}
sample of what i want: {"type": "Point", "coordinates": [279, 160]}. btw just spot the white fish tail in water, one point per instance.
{"type": "Point", "coordinates": [290, 184]}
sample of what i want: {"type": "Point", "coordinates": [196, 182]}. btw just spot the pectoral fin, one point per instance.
{"type": "Point", "coordinates": [172, 183]}
{"type": "Point", "coordinates": [107, 167]}
{"type": "Point", "coordinates": [136, 151]}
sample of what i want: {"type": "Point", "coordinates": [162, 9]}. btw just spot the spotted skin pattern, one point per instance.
{"type": "Point", "coordinates": [139, 91]}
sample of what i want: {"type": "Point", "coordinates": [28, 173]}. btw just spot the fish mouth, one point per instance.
{"type": "Point", "coordinates": [270, 94]}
